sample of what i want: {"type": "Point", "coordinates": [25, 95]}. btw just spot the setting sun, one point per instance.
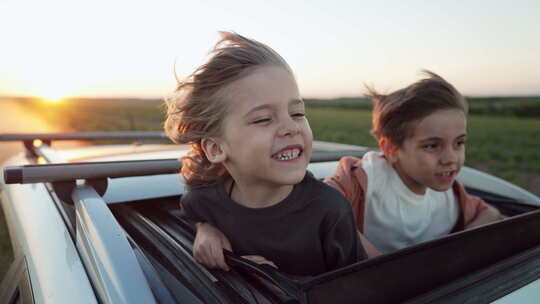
{"type": "Point", "coordinates": [52, 92]}
{"type": "Point", "coordinates": [52, 98]}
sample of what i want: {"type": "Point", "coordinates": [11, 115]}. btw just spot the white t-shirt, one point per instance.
{"type": "Point", "coordinates": [395, 217]}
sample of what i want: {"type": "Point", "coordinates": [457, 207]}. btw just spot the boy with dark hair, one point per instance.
{"type": "Point", "coordinates": [407, 193]}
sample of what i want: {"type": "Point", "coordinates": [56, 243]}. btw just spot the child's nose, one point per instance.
{"type": "Point", "coordinates": [289, 127]}
{"type": "Point", "coordinates": [449, 156]}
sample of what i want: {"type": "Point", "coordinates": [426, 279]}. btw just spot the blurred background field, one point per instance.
{"type": "Point", "coordinates": [491, 106]}
{"type": "Point", "coordinates": [503, 139]}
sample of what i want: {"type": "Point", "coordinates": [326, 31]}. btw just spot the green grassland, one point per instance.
{"type": "Point", "coordinates": [491, 106]}
{"type": "Point", "coordinates": [100, 114]}
{"type": "Point", "coordinates": [505, 146]}
{"type": "Point", "coordinates": [502, 140]}
{"type": "Point", "coordinates": [503, 143]}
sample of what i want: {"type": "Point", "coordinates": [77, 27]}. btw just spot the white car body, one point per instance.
{"type": "Point", "coordinates": [89, 259]}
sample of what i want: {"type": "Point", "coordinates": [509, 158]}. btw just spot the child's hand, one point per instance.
{"type": "Point", "coordinates": [371, 250]}
{"type": "Point", "coordinates": [488, 215]}
{"type": "Point", "coordinates": [259, 260]}
{"type": "Point", "coordinates": [208, 247]}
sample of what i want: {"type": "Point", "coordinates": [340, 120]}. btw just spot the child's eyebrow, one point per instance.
{"type": "Point", "coordinates": [271, 106]}
{"type": "Point", "coordinates": [430, 139]}
{"type": "Point", "coordinates": [435, 138]}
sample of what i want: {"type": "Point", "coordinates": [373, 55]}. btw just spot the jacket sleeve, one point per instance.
{"type": "Point", "coordinates": [351, 180]}
{"type": "Point", "coordinates": [470, 206]}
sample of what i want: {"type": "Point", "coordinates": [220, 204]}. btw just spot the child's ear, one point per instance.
{"type": "Point", "coordinates": [213, 150]}
{"type": "Point", "coordinates": [388, 148]}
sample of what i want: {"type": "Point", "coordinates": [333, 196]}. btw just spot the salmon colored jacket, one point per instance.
{"type": "Point", "coordinates": [351, 180]}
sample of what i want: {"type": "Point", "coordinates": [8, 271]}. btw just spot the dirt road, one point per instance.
{"type": "Point", "coordinates": [14, 119]}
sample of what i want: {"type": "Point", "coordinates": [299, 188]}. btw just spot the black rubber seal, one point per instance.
{"type": "Point", "coordinates": [13, 175]}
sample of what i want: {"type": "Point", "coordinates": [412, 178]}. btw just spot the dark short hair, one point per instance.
{"type": "Point", "coordinates": [395, 115]}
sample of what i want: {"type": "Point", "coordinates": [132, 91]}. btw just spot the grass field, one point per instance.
{"type": "Point", "coordinates": [490, 106]}
{"type": "Point", "coordinates": [506, 146]}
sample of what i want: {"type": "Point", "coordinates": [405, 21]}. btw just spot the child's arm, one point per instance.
{"type": "Point", "coordinates": [208, 246]}
{"type": "Point", "coordinates": [209, 242]}
{"type": "Point", "coordinates": [341, 241]}
{"type": "Point", "coordinates": [474, 210]}
{"type": "Point", "coordinates": [371, 250]}
{"type": "Point", "coordinates": [486, 215]}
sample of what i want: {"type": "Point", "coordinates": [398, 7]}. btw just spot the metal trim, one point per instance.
{"type": "Point", "coordinates": [106, 252]}
{"type": "Point", "coordinates": [56, 172]}
{"type": "Point", "coordinates": [81, 136]}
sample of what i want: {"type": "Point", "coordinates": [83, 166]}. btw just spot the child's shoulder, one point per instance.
{"type": "Point", "coordinates": [378, 171]}
{"type": "Point", "coordinates": [371, 161]}
{"type": "Point", "coordinates": [206, 193]}
{"type": "Point", "coordinates": [315, 186]}
{"type": "Point", "coordinates": [327, 196]}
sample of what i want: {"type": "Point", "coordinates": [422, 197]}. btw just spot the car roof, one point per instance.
{"type": "Point", "coordinates": [144, 187]}
{"type": "Point", "coordinates": [123, 152]}
{"type": "Point", "coordinates": [161, 151]}
{"type": "Point", "coordinates": [515, 252]}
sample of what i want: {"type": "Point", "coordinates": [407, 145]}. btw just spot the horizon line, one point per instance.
{"type": "Point", "coordinates": [306, 97]}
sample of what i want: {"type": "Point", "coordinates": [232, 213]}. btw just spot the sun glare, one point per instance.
{"type": "Point", "coordinates": [53, 89]}
{"type": "Point", "coordinates": [52, 97]}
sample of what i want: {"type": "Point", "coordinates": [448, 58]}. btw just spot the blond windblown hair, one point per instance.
{"type": "Point", "coordinates": [199, 103]}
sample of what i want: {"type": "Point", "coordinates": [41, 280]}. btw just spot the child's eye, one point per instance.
{"type": "Point", "coordinates": [430, 146]}
{"type": "Point", "coordinates": [261, 120]}
{"type": "Point", "coordinates": [298, 115]}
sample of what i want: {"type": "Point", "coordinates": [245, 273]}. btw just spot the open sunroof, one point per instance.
{"type": "Point", "coordinates": [400, 276]}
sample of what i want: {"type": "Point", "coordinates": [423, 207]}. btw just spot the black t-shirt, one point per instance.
{"type": "Point", "coordinates": [310, 232]}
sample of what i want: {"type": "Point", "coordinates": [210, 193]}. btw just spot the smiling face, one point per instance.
{"type": "Point", "coordinates": [266, 139]}
{"type": "Point", "coordinates": [434, 154]}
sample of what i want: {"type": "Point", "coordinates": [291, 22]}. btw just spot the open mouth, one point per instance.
{"type": "Point", "coordinates": [446, 174]}
{"type": "Point", "coordinates": [288, 153]}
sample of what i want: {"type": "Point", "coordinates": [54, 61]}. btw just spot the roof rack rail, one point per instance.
{"type": "Point", "coordinates": [104, 248]}
{"type": "Point", "coordinates": [45, 139]}
{"type": "Point", "coordinates": [48, 137]}
{"type": "Point", "coordinates": [48, 173]}
{"type": "Point", "coordinates": [63, 176]}
{"type": "Point", "coordinates": [58, 172]}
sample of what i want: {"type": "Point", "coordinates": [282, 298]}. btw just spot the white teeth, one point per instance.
{"type": "Point", "coordinates": [446, 174]}
{"type": "Point", "coordinates": [288, 154]}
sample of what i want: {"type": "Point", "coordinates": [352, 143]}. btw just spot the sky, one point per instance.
{"type": "Point", "coordinates": [116, 48]}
